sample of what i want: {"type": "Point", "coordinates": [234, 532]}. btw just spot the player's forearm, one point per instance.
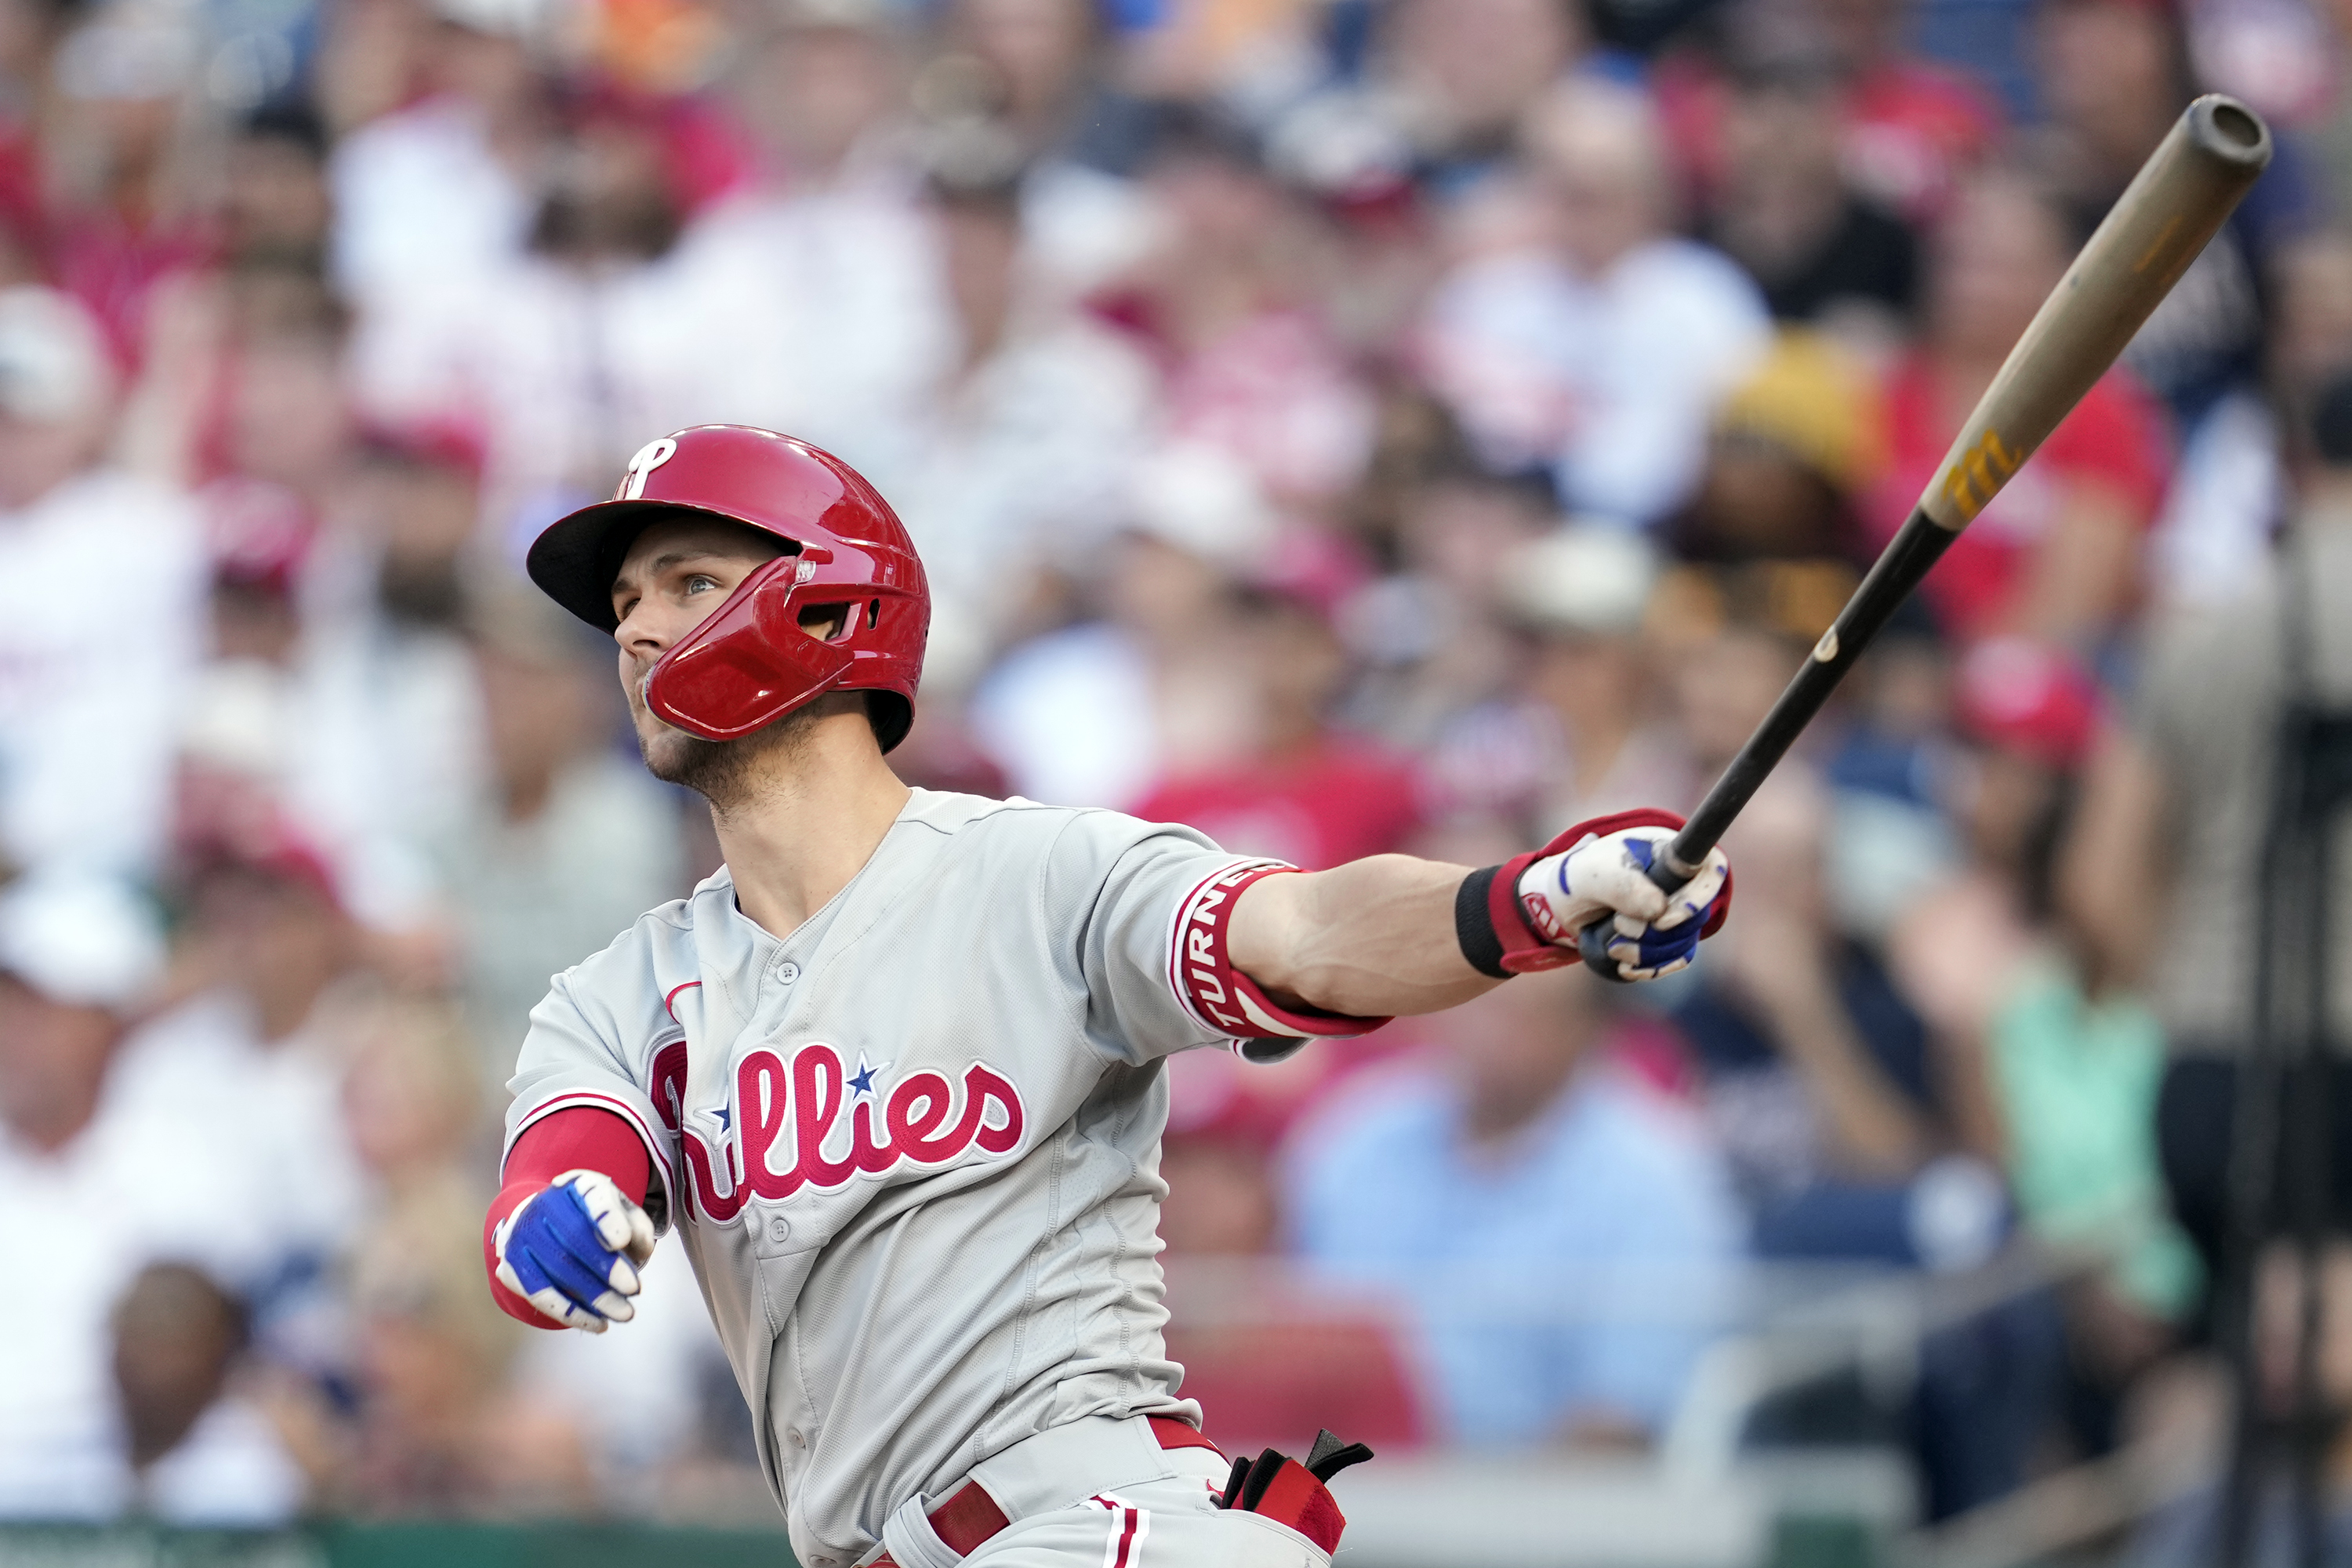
{"type": "Point", "coordinates": [1374, 938]}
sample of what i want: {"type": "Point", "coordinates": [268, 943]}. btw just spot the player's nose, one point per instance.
{"type": "Point", "coordinates": [641, 634]}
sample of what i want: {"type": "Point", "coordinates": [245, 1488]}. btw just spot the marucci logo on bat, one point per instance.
{"type": "Point", "coordinates": [801, 1104]}
{"type": "Point", "coordinates": [1977, 476]}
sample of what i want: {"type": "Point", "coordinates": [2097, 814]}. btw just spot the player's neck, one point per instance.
{"type": "Point", "coordinates": [809, 824]}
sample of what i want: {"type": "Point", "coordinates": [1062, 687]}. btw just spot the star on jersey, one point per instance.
{"type": "Point", "coordinates": [862, 1081]}
{"type": "Point", "coordinates": [722, 1116]}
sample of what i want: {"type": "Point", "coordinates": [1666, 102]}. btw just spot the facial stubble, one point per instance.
{"type": "Point", "coordinates": [729, 773]}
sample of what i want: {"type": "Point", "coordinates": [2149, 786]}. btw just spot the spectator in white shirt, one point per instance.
{"type": "Point", "coordinates": [102, 634]}
{"type": "Point", "coordinates": [440, 192]}
{"type": "Point", "coordinates": [103, 1176]}
{"type": "Point", "coordinates": [201, 1450]}
{"type": "Point", "coordinates": [1591, 341]}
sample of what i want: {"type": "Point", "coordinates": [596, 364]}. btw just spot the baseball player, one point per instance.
{"type": "Point", "coordinates": [894, 1073]}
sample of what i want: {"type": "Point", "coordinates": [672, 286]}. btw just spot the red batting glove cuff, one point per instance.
{"type": "Point", "coordinates": [1493, 926]}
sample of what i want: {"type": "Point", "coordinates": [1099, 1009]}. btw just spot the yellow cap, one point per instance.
{"type": "Point", "coordinates": [1815, 400]}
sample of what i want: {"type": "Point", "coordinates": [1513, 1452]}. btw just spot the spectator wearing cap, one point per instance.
{"type": "Point", "coordinates": [339, 703]}
{"type": "Point", "coordinates": [275, 207]}
{"type": "Point", "coordinates": [1790, 450]}
{"type": "Point", "coordinates": [804, 293]}
{"type": "Point", "coordinates": [2164, 872]}
{"type": "Point", "coordinates": [1561, 1227]}
{"type": "Point", "coordinates": [600, 325]}
{"type": "Point", "coordinates": [109, 1176]}
{"type": "Point", "coordinates": [2072, 1057]}
{"type": "Point", "coordinates": [2056, 556]}
{"type": "Point", "coordinates": [89, 688]}
{"type": "Point", "coordinates": [269, 954]}
{"type": "Point", "coordinates": [1911, 129]}
{"type": "Point", "coordinates": [239, 356]}
{"type": "Point", "coordinates": [1582, 597]}
{"type": "Point", "coordinates": [1596, 358]}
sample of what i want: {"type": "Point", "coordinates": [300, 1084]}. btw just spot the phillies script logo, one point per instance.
{"type": "Point", "coordinates": [782, 1117]}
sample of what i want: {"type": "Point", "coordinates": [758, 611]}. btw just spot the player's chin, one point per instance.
{"type": "Point", "coordinates": [671, 754]}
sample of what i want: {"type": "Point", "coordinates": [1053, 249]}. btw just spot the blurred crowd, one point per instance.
{"type": "Point", "coordinates": [1344, 426]}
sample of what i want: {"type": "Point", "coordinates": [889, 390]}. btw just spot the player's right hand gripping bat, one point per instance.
{"type": "Point", "coordinates": [2181, 197]}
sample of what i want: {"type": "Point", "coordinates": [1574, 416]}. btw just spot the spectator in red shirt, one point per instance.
{"type": "Point", "coordinates": [2057, 554]}
{"type": "Point", "coordinates": [1912, 130]}
{"type": "Point", "coordinates": [1308, 794]}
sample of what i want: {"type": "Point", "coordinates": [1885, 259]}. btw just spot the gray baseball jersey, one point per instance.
{"type": "Point", "coordinates": [913, 1148]}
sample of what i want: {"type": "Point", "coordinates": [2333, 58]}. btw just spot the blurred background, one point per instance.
{"type": "Point", "coordinates": [1344, 426]}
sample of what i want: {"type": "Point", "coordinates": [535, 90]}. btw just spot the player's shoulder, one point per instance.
{"type": "Point", "coordinates": [657, 945]}
{"type": "Point", "coordinates": [974, 821]}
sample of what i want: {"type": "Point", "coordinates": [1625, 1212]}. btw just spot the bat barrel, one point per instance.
{"type": "Point", "coordinates": [2224, 128]}
{"type": "Point", "coordinates": [2181, 196]}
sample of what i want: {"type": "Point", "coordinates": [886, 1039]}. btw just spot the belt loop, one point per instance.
{"type": "Point", "coordinates": [911, 1541]}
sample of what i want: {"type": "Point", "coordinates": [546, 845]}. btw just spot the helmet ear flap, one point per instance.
{"type": "Point", "coordinates": [748, 663]}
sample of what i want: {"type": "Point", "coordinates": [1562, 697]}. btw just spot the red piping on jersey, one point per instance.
{"type": "Point", "coordinates": [654, 1145]}
{"type": "Point", "coordinates": [673, 997]}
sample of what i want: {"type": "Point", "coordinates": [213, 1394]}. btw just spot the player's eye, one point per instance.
{"type": "Point", "coordinates": [622, 608]}
{"type": "Point", "coordinates": [700, 581]}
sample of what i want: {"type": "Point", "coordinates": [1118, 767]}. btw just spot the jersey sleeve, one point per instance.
{"type": "Point", "coordinates": [579, 1052]}
{"type": "Point", "coordinates": [1153, 903]}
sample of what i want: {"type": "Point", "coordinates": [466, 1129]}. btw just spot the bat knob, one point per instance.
{"type": "Point", "coordinates": [1593, 942]}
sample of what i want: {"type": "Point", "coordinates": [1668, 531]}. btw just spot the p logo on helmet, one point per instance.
{"type": "Point", "coordinates": [750, 662]}
{"type": "Point", "coordinates": [650, 456]}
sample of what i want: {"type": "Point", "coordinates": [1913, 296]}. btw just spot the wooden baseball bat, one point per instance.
{"type": "Point", "coordinates": [2177, 202]}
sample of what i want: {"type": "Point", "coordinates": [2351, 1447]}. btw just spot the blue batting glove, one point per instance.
{"type": "Point", "coordinates": [573, 1249]}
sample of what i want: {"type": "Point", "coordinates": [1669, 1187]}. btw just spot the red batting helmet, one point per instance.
{"type": "Point", "coordinates": [750, 663]}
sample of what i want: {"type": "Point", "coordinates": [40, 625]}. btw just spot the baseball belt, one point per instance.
{"type": "Point", "coordinates": [1273, 1484]}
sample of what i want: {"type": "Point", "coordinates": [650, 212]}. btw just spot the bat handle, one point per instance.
{"type": "Point", "coordinates": [1669, 870]}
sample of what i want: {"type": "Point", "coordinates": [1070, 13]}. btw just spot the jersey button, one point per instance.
{"type": "Point", "coordinates": [793, 1436]}
{"type": "Point", "coordinates": [788, 971]}
{"type": "Point", "coordinates": [781, 1229]}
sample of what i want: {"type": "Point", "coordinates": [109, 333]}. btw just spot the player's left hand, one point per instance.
{"type": "Point", "coordinates": [1606, 876]}
{"type": "Point", "coordinates": [573, 1250]}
